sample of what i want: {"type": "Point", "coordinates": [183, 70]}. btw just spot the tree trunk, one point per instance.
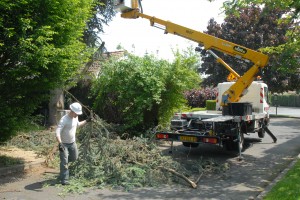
{"type": "Point", "coordinates": [56, 103]}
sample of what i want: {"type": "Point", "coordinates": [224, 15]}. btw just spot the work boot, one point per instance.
{"type": "Point", "coordinates": [65, 183]}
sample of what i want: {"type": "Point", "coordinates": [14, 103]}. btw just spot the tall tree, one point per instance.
{"type": "Point", "coordinates": [103, 14]}
{"type": "Point", "coordinates": [254, 29]}
{"type": "Point", "coordinates": [103, 11]}
{"type": "Point", "coordinates": [41, 47]}
{"type": "Point", "coordinates": [287, 54]}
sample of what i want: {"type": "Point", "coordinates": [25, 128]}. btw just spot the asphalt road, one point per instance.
{"type": "Point", "coordinates": [262, 162]}
{"type": "Point", "coordinates": [285, 111]}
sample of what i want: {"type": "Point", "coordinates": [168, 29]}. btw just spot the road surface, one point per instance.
{"type": "Point", "coordinates": [263, 162]}
{"type": "Point", "coordinates": [285, 111]}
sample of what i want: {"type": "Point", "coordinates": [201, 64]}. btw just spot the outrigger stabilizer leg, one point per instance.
{"type": "Point", "coordinates": [171, 149]}
{"type": "Point", "coordinates": [270, 134]}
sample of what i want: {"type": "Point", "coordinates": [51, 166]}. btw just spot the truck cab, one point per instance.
{"type": "Point", "coordinates": [256, 94]}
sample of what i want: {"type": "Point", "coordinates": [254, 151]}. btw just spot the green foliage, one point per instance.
{"type": "Point", "coordinates": [104, 12]}
{"type": "Point", "coordinates": [284, 56]}
{"type": "Point", "coordinates": [288, 187]}
{"type": "Point", "coordinates": [105, 160]}
{"type": "Point", "coordinates": [198, 97]}
{"type": "Point", "coordinates": [290, 100]}
{"type": "Point", "coordinates": [231, 6]}
{"type": "Point", "coordinates": [188, 109]}
{"type": "Point", "coordinates": [41, 141]}
{"type": "Point", "coordinates": [181, 77]}
{"type": "Point", "coordinates": [139, 92]}
{"type": "Point", "coordinates": [191, 58]}
{"type": "Point", "coordinates": [211, 104]}
{"type": "Point", "coordinates": [40, 49]}
{"type": "Point", "coordinates": [255, 29]}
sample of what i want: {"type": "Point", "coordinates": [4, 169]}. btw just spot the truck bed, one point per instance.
{"type": "Point", "coordinates": [216, 116]}
{"type": "Point", "coordinates": [203, 114]}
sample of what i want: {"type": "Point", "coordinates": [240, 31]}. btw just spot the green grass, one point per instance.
{"type": "Point", "coordinates": [288, 188]}
{"type": "Point", "coordinates": [192, 109]}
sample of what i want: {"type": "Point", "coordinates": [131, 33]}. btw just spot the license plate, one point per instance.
{"type": "Point", "coordinates": [188, 138]}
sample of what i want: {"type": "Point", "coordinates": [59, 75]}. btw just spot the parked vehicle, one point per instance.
{"type": "Point", "coordinates": [242, 106]}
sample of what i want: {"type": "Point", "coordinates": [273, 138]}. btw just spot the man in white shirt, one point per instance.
{"type": "Point", "coordinates": [66, 137]}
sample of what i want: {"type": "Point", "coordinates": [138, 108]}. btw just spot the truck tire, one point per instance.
{"type": "Point", "coordinates": [190, 144]}
{"type": "Point", "coordinates": [234, 144]}
{"type": "Point", "coordinates": [228, 145]}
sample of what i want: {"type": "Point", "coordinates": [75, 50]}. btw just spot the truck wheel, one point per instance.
{"type": "Point", "coordinates": [234, 144]}
{"type": "Point", "coordinates": [190, 144]}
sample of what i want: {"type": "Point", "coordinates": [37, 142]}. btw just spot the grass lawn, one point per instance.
{"type": "Point", "coordinates": [289, 187]}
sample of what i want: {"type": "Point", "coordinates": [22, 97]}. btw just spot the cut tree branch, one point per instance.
{"type": "Point", "coordinates": [193, 184]}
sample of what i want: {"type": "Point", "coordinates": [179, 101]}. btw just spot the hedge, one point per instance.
{"type": "Point", "coordinates": [289, 100]}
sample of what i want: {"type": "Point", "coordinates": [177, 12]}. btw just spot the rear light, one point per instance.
{"type": "Point", "coordinates": [183, 116]}
{"type": "Point", "coordinates": [210, 140]}
{"type": "Point", "coordinates": [162, 136]}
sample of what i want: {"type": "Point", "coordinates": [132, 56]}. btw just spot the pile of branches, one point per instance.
{"type": "Point", "coordinates": [107, 160]}
{"type": "Point", "coordinates": [40, 141]}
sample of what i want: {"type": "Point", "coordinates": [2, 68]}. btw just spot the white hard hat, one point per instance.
{"type": "Point", "coordinates": [76, 108]}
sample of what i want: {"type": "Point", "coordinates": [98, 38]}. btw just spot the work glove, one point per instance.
{"type": "Point", "coordinates": [61, 147]}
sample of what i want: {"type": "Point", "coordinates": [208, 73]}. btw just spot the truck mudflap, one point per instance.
{"type": "Point", "coordinates": [188, 137]}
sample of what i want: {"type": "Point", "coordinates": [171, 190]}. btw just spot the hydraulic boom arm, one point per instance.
{"type": "Point", "coordinates": [209, 42]}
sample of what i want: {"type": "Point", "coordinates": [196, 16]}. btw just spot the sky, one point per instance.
{"type": "Point", "coordinates": [138, 37]}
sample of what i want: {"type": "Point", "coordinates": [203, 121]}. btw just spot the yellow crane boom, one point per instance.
{"type": "Point", "coordinates": [209, 42]}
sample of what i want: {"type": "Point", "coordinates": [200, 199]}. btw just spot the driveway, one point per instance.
{"type": "Point", "coordinates": [263, 162]}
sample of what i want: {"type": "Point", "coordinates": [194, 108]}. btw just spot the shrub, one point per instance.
{"type": "Point", "coordinates": [198, 97]}
{"type": "Point", "coordinates": [140, 93]}
{"type": "Point", "coordinates": [211, 104]}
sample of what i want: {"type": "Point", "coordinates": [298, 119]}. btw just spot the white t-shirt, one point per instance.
{"type": "Point", "coordinates": [66, 129]}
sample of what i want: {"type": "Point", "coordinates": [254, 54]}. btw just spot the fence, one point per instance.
{"type": "Point", "coordinates": [289, 100]}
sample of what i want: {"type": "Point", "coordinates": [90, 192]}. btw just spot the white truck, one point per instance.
{"type": "Point", "coordinates": [242, 106]}
{"type": "Point", "coordinates": [224, 126]}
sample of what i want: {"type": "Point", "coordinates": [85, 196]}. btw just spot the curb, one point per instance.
{"type": "Point", "coordinates": [284, 116]}
{"type": "Point", "coordinates": [277, 179]}
{"type": "Point", "coordinates": [20, 168]}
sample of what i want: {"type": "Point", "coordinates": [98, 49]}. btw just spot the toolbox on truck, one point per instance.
{"type": "Point", "coordinates": [238, 109]}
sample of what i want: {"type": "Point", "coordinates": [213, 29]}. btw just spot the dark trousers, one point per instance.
{"type": "Point", "coordinates": [70, 154]}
